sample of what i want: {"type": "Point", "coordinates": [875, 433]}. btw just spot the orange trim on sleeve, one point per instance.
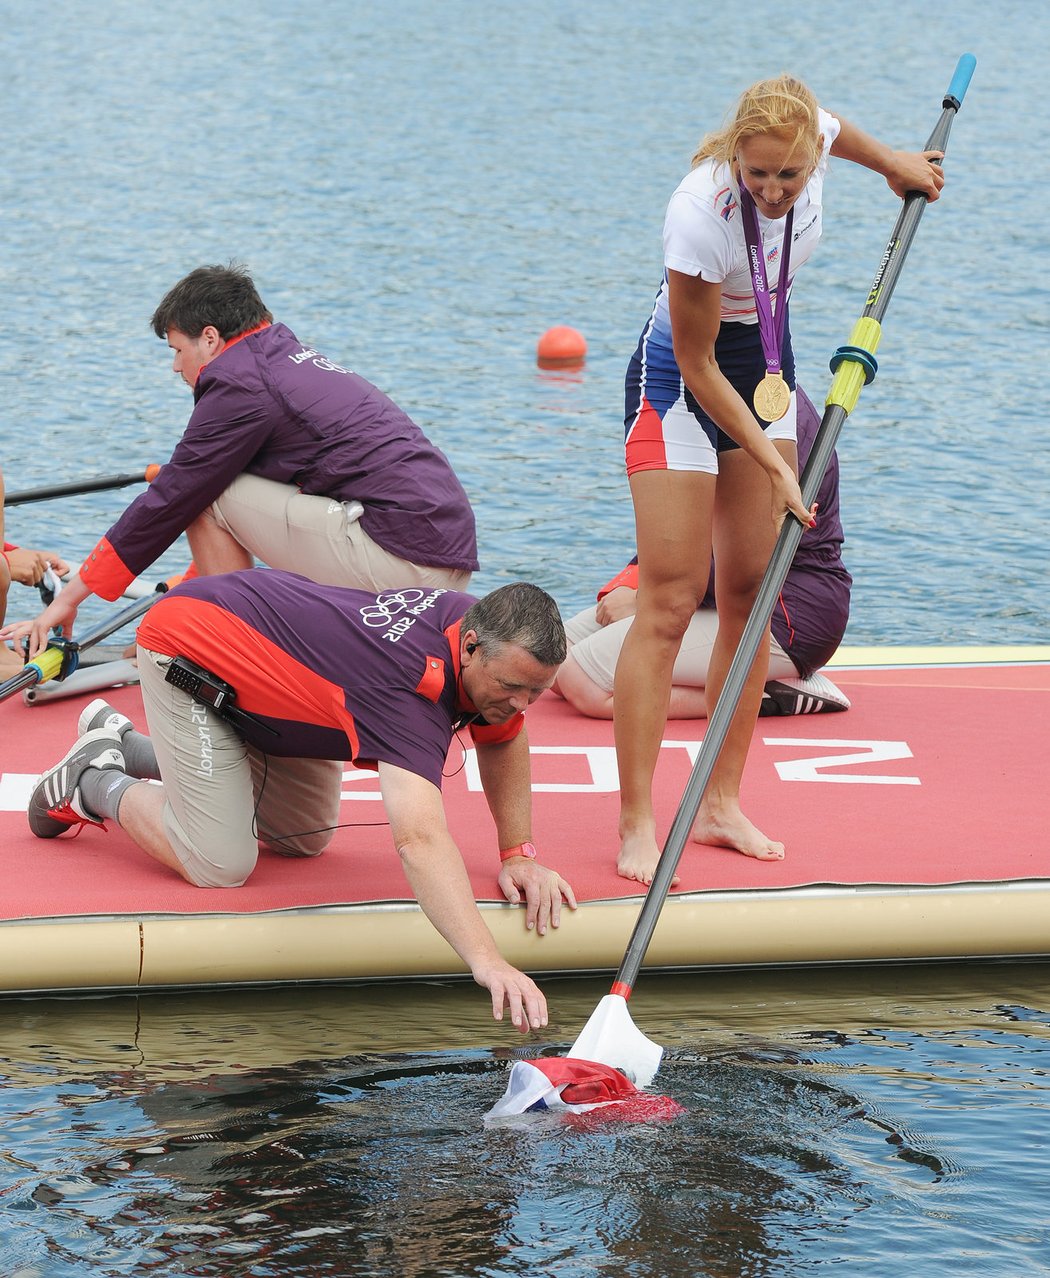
{"type": "Point", "coordinates": [104, 572]}
{"type": "Point", "coordinates": [627, 577]}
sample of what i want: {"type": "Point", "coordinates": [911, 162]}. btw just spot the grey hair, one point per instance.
{"type": "Point", "coordinates": [522, 614]}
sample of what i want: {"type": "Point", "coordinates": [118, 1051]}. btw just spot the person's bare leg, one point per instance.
{"type": "Point", "coordinates": [596, 702]}
{"type": "Point", "coordinates": [673, 522]}
{"type": "Point", "coordinates": [744, 536]}
{"type": "Point", "coordinates": [10, 662]}
{"type": "Point", "coordinates": [687, 703]}
{"type": "Point", "coordinates": [214, 549]}
{"type": "Point", "coordinates": [721, 820]}
{"type": "Point", "coordinates": [141, 817]}
{"type": "Point", "coordinates": [581, 691]}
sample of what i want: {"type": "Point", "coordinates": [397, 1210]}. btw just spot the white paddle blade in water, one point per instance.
{"type": "Point", "coordinates": [610, 1037]}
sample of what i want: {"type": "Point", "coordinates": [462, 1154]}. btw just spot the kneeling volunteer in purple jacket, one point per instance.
{"type": "Point", "coordinates": [287, 457]}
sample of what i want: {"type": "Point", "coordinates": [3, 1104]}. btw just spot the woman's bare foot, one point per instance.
{"type": "Point", "coordinates": [727, 827]}
{"type": "Point", "coordinates": [639, 857]}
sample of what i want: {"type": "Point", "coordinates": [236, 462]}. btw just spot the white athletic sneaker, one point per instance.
{"type": "Point", "coordinates": [55, 803]}
{"type": "Point", "coordinates": [100, 714]}
{"type": "Point", "coordinates": [814, 695]}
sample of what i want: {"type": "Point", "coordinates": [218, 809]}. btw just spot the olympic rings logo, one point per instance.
{"type": "Point", "coordinates": [388, 605]}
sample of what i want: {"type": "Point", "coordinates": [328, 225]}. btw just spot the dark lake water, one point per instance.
{"type": "Point", "coordinates": [421, 191]}
{"type": "Point", "coordinates": [838, 1121]}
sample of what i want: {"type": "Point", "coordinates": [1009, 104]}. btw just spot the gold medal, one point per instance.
{"type": "Point", "coordinates": [772, 397]}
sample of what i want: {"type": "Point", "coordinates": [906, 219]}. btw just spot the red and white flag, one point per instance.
{"type": "Point", "coordinates": [578, 1086]}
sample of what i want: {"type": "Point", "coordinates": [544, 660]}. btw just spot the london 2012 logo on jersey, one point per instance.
{"type": "Point", "coordinates": [395, 611]}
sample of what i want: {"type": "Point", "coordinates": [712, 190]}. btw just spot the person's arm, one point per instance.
{"type": "Point", "coordinates": [695, 307]}
{"type": "Point", "coordinates": [616, 599]}
{"type": "Point", "coordinates": [506, 778]}
{"type": "Point", "coordinates": [28, 566]}
{"type": "Point", "coordinates": [620, 602]}
{"type": "Point", "coordinates": [904, 171]}
{"type": "Point", "coordinates": [224, 433]}
{"type": "Point", "coordinates": [60, 613]}
{"type": "Point", "coordinates": [438, 878]}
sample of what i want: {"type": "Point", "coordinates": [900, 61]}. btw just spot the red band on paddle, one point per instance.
{"type": "Point", "coordinates": [624, 991]}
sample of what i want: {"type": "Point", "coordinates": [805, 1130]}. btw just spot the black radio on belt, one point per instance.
{"type": "Point", "coordinates": [201, 685]}
{"type": "Point", "coordinates": [215, 693]}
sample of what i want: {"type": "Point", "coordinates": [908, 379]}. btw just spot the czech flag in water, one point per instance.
{"type": "Point", "coordinates": [578, 1086]}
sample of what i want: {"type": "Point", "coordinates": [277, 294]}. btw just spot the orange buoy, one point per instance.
{"type": "Point", "coordinates": [561, 347]}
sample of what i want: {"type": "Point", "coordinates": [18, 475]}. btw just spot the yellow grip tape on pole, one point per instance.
{"type": "Point", "coordinates": [49, 663]}
{"type": "Point", "coordinates": [851, 374]}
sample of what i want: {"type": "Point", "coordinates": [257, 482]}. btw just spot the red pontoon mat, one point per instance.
{"type": "Point", "coordinates": [936, 776]}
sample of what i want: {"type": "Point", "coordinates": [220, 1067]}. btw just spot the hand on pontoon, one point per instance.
{"type": "Point", "coordinates": [544, 891]}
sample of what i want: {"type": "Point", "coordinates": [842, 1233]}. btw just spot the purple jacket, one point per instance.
{"type": "Point", "coordinates": [270, 406]}
{"type": "Point", "coordinates": [330, 673]}
{"type": "Point", "coordinates": [810, 616]}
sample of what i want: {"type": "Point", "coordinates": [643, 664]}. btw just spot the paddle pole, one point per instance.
{"type": "Point", "coordinates": [62, 656]}
{"type": "Point", "coordinates": [610, 1036]}
{"type": "Point", "coordinates": [98, 484]}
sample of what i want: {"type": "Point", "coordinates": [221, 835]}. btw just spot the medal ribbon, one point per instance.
{"type": "Point", "coordinates": [770, 325]}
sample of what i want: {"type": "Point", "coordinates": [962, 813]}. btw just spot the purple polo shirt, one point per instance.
{"type": "Point", "coordinates": [334, 673]}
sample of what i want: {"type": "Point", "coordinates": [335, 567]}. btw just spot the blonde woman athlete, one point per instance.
{"type": "Point", "coordinates": [707, 473]}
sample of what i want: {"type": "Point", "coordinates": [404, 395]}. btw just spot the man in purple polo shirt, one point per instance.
{"type": "Point", "coordinates": [321, 675]}
{"type": "Point", "coordinates": [287, 457]}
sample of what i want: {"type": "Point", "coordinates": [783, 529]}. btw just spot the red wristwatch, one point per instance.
{"type": "Point", "coordinates": [522, 849]}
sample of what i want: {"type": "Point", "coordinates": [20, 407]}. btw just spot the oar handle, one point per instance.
{"type": "Point", "coordinates": [856, 366]}
{"type": "Point", "coordinates": [26, 678]}
{"type": "Point", "coordinates": [98, 484]}
{"type": "Point", "coordinates": [960, 82]}
{"type": "Point", "coordinates": [915, 201]}
{"type": "Point", "coordinates": [62, 656]}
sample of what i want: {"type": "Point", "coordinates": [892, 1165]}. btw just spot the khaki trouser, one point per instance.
{"type": "Point", "coordinates": [595, 648]}
{"type": "Point", "coordinates": [224, 796]}
{"type": "Point", "coordinates": [320, 538]}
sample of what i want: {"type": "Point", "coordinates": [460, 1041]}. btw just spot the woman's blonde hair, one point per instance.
{"type": "Point", "coordinates": [783, 106]}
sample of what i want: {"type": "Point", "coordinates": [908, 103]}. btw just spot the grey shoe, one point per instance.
{"type": "Point", "coordinates": [56, 804]}
{"type": "Point", "coordinates": [815, 695]}
{"type": "Point", "coordinates": [100, 714]}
